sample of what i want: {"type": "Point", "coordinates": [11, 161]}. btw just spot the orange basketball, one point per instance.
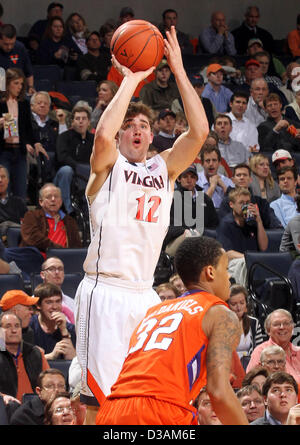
{"type": "Point", "coordinates": [138, 45]}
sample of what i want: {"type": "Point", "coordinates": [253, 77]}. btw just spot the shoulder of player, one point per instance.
{"type": "Point", "coordinates": [219, 318]}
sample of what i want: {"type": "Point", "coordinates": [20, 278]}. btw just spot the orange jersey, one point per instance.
{"type": "Point", "coordinates": [167, 352]}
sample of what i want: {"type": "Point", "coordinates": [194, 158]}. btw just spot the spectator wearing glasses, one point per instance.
{"type": "Point", "coordinates": [272, 358]}
{"type": "Point", "coordinates": [252, 402]}
{"type": "Point", "coordinates": [279, 327]}
{"type": "Point", "coordinates": [59, 411]}
{"type": "Point", "coordinates": [32, 412]}
{"type": "Point", "coordinates": [53, 271]}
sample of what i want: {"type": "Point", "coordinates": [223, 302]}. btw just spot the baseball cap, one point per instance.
{"type": "Point", "coordinates": [252, 62]}
{"type": "Point", "coordinates": [54, 5]}
{"type": "Point", "coordinates": [213, 68]}
{"type": "Point", "coordinates": [166, 112]}
{"type": "Point", "coordinates": [126, 11]}
{"type": "Point", "coordinates": [13, 297]}
{"type": "Point", "coordinates": [280, 155]}
{"type": "Point", "coordinates": [255, 40]}
{"type": "Point", "coordinates": [191, 169]}
{"type": "Point", "coordinates": [162, 64]}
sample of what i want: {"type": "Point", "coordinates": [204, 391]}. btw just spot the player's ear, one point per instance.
{"type": "Point", "coordinates": [209, 272]}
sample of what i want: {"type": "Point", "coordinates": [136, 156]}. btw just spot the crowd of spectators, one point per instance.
{"type": "Point", "coordinates": [243, 183]}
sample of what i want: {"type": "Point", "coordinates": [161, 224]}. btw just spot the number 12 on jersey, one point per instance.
{"type": "Point", "coordinates": [146, 210]}
{"type": "Point", "coordinates": [158, 338]}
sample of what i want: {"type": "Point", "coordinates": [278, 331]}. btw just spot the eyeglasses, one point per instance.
{"type": "Point", "coordinates": [285, 324]}
{"type": "Point", "coordinates": [274, 362]}
{"type": "Point", "coordinates": [54, 269]}
{"type": "Point", "coordinates": [61, 409]}
{"type": "Point", "coordinates": [249, 402]}
{"type": "Point", "coordinates": [53, 387]}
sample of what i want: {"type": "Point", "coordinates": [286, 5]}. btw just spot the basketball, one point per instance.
{"type": "Point", "coordinates": [138, 45]}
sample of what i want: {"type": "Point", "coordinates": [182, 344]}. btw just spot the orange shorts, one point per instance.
{"type": "Point", "coordinates": [143, 411]}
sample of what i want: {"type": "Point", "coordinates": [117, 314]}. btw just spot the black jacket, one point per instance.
{"type": "Point", "coordinates": [24, 123]}
{"type": "Point", "coordinates": [269, 140]}
{"type": "Point", "coordinates": [33, 363]}
{"type": "Point", "coordinates": [31, 412]}
{"type": "Point", "coordinates": [210, 215]}
{"type": "Point", "coordinates": [72, 149]}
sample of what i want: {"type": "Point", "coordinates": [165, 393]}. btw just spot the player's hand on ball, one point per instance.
{"type": "Point", "coordinates": [126, 72]}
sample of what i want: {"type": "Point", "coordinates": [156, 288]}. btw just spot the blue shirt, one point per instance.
{"type": "Point", "coordinates": [215, 43]}
{"type": "Point", "coordinates": [235, 237]}
{"type": "Point", "coordinates": [284, 208]}
{"type": "Point", "coordinates": [220, 99]}
{"type": "Point", "coordinates": [48, 341]}
{"type": "Point", "coordinates": [218, 194]}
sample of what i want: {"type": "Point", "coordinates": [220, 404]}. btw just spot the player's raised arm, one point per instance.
{"type": "Point", "coordinates": [223, 331]}
{"type": "Point", "coordinates": [187, 146]}
{"type": "Point", "coordinates": [104, 151]}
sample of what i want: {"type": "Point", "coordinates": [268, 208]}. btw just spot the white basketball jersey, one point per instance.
{"type": "Point", "coordinates": [129, 219]}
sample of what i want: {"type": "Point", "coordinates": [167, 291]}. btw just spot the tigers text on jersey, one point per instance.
{"type": "Point", "coordinates": [129, 219]}
{"type": "Point", "coordinates": [167, 352]}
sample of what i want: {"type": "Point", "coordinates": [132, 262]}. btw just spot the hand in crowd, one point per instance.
{"type": "Point", "coordinates": [294, 416]}
{"type": "Point", "coordinates": [40, 149]}
{"type": "Point", "coordinates": [61, 116]}
{"type": "Point", "coordinates": [64, 347]}
{"type": "Point", "coordinates": [30, 149]}
{"type": "Point", "coordinates": [281, 125]}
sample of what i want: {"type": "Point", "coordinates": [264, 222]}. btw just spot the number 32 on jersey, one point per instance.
{"type": "Point", "coordinates": [159, 338]}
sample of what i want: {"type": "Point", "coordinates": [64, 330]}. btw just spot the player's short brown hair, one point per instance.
{"type": "Point", "coordinates": [136, 108]}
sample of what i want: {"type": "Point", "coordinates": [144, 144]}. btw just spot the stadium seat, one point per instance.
{"type": "Point", "coordinates": [268, 284]}
{"type": "Point", "coordinates": [62, 365]}
{"type": "Point", "coordinates": [43, 84]}
{"type": "Point", "coordinates": [274, 236]}
{"type": "Point", "coordinates": [13, 236]}
{"type": "Point", "coordinates": [49, 72]}
{"type": "Point", "coordinates": [72, 258]}
{"type": "Point", "coordinates": [9, 282]}
{"type": "Point", "coordinates": [82, 88]}
{"type": "Point", "coordinates": [69, 286]}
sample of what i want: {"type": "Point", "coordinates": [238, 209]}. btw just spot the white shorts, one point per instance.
{"type": "Point", "coordinates": [107, 312]}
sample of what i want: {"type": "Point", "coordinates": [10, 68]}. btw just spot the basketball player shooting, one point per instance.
{"type": "Point", "coordinates": [129, 201]}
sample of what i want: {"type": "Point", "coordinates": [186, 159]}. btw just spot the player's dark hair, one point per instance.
{"type": "Point", "coordinates": [194, 254]}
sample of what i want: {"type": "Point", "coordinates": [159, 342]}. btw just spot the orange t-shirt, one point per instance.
{"type": "Point", "coordinates": [167, 352]}
{"type": "Point", "coordinates": [24, 385]}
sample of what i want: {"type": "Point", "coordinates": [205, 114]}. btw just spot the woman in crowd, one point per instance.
{"type": "Point", "coordinates": [59, 411]}
{"type": "Point", "coordinates": [167, 291]}
{"type": "Point", "coordinates": [78, 31]}
{"type": "Point", "coordinates": [56, 47]}
{"type": "Point", "coordinates": [263, 184]}
{"type": "Point", "coordinates": [106, 91]}
{"type": "Point", "coordinates": [257, 376]}
{"type": "Point", "coordinates": [251, 329]}
{"type": "Point", "coordinates": [16, 134]}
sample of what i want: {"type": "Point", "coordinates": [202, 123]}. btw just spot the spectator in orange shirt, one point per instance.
{"type": "Point", "coordinates": [20, 362]}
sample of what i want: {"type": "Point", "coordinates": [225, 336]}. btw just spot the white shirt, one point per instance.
{"type": "Point", "coordinates": [254, 113]}
{"type": "Point", "coordinates": [244, 131]}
